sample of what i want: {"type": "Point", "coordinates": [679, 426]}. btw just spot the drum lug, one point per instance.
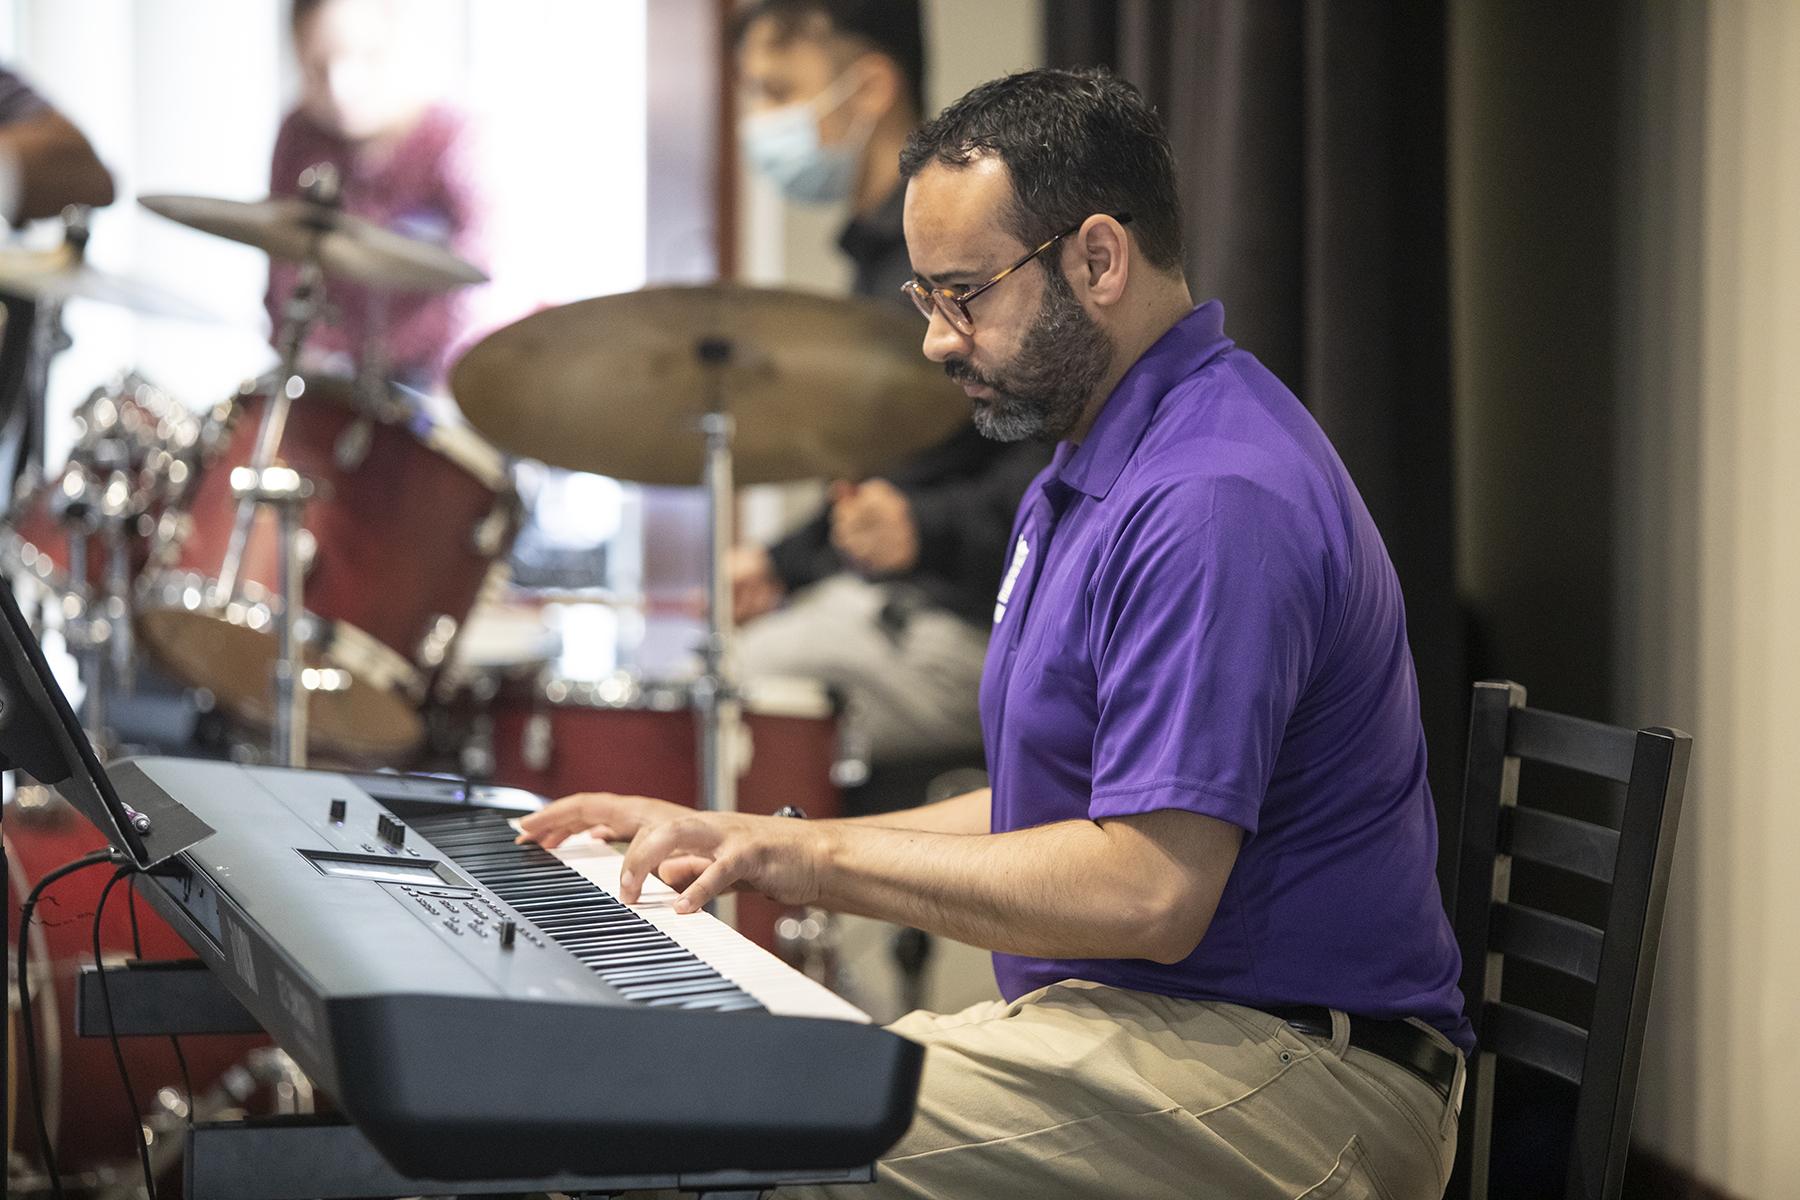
{"type": "Point", "coordinates": [537, 742]}
{"type": "Point", "coordinates": [434, 647]}
{"type": "Point", "coordinates": [493, 531]}
{"type": "Point", "coordinates": [308, 546]}
{"type": "Point", "coordinates": [352, 448]}
{"type": "Point", "coordinates": [477, 755]}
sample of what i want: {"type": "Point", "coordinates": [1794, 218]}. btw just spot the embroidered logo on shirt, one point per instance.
{"type": "Point", "coordinates": [1020, 553]}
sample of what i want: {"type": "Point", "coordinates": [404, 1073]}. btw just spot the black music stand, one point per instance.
{"type": "Point", "coordinates": [40, 735]}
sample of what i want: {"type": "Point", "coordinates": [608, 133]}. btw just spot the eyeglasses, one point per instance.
{"type": "Point", "coordinates": [953, 302]}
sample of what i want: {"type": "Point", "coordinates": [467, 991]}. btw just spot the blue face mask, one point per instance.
{"type": "Point", "coordinates": [784, 146]}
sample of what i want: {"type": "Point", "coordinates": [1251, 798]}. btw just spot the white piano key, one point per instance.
{"type": "Point", "coordinates": [778, 987]}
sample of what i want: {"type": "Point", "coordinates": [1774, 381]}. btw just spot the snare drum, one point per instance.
{"type": "Point", "coordinates": [403, 527]}
{"type": "Point", "coordinates": [621, 734]}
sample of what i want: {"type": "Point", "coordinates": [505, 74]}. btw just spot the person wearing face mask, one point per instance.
{"type": "Point", "coordinates": [888, 591]}
{"type": "Point", "coordinates": [404, 161]}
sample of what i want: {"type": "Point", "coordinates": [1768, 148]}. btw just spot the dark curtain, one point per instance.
{"type": "Point", "coordinates": [1311, 142]}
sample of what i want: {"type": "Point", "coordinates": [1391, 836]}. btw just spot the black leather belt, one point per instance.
{"type": "Point", "coordinates": [1397, 1041]}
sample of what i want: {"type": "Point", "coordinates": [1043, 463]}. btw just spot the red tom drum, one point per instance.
{"type": "Point", "coordinates": [405, 523]}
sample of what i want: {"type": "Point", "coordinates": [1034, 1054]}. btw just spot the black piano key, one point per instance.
{"type": "Point", "coordinates": [641, 963]}
{"type": "Point", "coordinates": [656, 974]}
{"type": "Point", "coordinates": [692, 987]}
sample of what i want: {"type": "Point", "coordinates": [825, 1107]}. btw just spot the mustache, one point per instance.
{"type": "Point", "coordinates": [961, 372]}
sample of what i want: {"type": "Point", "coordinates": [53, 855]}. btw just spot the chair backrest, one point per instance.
{"type": "Point", "coordinates": [1618, 960]}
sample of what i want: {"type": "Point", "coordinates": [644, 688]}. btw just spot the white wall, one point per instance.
{"type": "Point", "coordinates": [1713, 614]}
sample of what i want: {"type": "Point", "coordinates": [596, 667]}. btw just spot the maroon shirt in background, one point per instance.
{"type": "Point", "coordinates": [427, 187]}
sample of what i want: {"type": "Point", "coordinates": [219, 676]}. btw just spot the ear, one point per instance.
{"type": "Point", "coordinates": [880, 89]}
{"type": "Point", "coordinates": [1102, 258]}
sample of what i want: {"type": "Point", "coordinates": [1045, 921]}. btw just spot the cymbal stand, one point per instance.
{"type": "Point", "coordinates": [262, 483]}
{"type": "Point", "coordinates": [83, 630]}
{"type": "Point", "coordinates": [716, 694]}
{"type": "Point", "coordinates": [286, 491]}
{"type": "Point", "coordinates": [320, 185]}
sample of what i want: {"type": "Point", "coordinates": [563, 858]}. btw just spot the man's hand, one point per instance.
{"type": "Point", "coordinates": [706, 854]}
{"type": "Point", "coordinates": [755, 588]}
{"type": "Point", "coordinates": [872, 527]}
{"type": "Point", "coordinates": [702, 855]}
{"type": "Point", "coordinates": [609, 817]}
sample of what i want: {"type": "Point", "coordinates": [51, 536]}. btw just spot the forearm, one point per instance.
{"type": "Point", "coordinates": [968, 813]}
{"type": "Point", "coordinates": [55, 166]}
{"type": "Point", "coordinates": [1077, 889]}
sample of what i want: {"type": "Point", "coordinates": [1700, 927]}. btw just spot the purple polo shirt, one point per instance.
{"type": "Point", "coordinates": [1198, 613]}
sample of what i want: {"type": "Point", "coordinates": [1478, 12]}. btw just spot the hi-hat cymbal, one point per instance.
{"type": "Point", "coordinates": [59, 275]}
{"type": "Point", "coordinates": [348, 247]}
{"type": "Point", "coordinates": [820, 387]}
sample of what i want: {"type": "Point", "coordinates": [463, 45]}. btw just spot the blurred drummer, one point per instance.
{"type": "Point", "coordinates": [405, 161]}
{"type": "Point", "coordinates": [889, 592]}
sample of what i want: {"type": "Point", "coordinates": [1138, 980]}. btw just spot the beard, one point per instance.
{"type": "Point", "coordinates": [1046, 387]}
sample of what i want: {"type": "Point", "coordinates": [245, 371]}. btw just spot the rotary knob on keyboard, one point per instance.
{"type": "Point", "coordinates": [391, 831]}
{"type": "Point", "coordinates": [338, 809]}
{"type": "Point", "coordinates": [509, 930]}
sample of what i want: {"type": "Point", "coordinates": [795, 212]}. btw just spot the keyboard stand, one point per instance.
{"type": "Point", "coordinates": [326, 1158]}
{"type": "Point", "coordinates": [179, 996]}
{"type": "Point", "coordinates": [320, 1159]}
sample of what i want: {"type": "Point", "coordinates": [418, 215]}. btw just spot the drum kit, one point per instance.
{"type": "Point", "coordinates": [309, 553]}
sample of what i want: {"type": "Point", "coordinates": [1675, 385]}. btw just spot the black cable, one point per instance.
{"type": "Point", "coordinates": [112, 1033]}
{"type": "Point", "coordinates": [137, 941]}
{"type": "Point", "coordinates": [137, 952]}
{"type": "Point", "coordinates": [47, 1151]}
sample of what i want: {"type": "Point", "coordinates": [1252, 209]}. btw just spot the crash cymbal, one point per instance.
{"type": "Point", "coordinates": [820, 387]}
{"type": "Point", "coordinates": [60, 275]}
{"type": "Point", "coordinates": [349, 247]}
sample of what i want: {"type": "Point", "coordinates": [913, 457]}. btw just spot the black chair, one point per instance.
{"type": "Point", "coordinates": [1598, 1059]}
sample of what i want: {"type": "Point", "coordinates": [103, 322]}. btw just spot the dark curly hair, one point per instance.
{"type": "Point", "coordinates": [1075, 143]}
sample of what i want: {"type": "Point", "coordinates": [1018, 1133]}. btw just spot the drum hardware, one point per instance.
{"type": "Point", "coordinates": [476, 759]}
{"type": "Point", "coordinates": [538, 743]}
{"type": "Point", "coordinates": [491, 535]}
{"type": "Point", "coordinates": [267, 1071]}
{"type": "Point", "coordinates": [715, 692]}
{"type": "Point", "coordinates": [352, 448]}
{"type": "Point", "coordinates": [325, 679]}
{"type": "Point", "coordinates": [96, 518]}
{"type": "Point", "coordinates": [286, 491]}
{"type": "Point", "coordinates": [808, 939]}
{"type": "Point", "coordinates": [321, 188]}
{"type": "Point", "coordinates": [434, 647]}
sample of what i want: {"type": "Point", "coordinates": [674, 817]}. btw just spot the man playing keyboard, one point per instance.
{"type": "Point", "coordinates": [1206, 863]}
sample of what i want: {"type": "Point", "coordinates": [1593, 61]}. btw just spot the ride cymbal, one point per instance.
{"type": "Point", "coordinates": [819, 387]}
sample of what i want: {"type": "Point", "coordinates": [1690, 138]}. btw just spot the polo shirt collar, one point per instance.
{"type": "Point", "coordinates": [1094, 466]}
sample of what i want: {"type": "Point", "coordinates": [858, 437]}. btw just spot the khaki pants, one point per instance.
{"type": "Point", "coordinates": [911, 693]}
{"type": "Point", "coordinates": [1079, 1090]}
